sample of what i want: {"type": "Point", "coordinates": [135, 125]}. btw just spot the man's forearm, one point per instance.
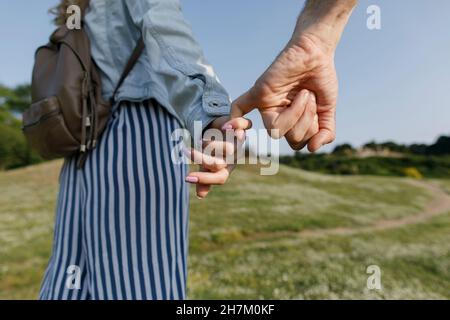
{"type": "Point", "coordinates": [324, 20]}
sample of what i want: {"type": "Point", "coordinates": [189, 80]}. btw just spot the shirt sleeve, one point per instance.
{"type": "Point", "coordinates": [178, 62]}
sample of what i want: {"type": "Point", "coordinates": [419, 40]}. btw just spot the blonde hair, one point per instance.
{"type": "Point", "coordinates": [60, 11]}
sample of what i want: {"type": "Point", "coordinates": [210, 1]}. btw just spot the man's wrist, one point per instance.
{"type": "Point", "coordinates": [323, 22]}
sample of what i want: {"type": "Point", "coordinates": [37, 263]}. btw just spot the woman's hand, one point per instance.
{"type": "Point", "coordinates": [218, 156]}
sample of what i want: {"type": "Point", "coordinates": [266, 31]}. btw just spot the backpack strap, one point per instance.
{"type": "Point", "coordinates": [84, 6]}
{"type": "Point", "coordinates": [137, 52]}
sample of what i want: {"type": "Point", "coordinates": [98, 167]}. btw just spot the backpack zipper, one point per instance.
{"type": "Point", "coordinates": [42, 119]}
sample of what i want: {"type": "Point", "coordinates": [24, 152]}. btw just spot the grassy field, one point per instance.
{"type": "Point", "coordinates": [445, 185]}
{"type": "Point", "coordinates": [296, 235]}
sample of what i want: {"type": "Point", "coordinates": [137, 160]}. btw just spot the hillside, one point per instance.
{"type": "Point", "coordinates": [295, 235]}
{"type": "Point", "coordinates": [379, 159]}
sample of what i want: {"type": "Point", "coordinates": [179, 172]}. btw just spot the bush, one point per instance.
{"type": "Point", "coordinates": [441, 147]}
{"type": "Point", "coordinates": [344, 149]}
{"type": "Point", "coordinates": [412, 172]}
{"type": "Point", "coordinates": [14, 150]}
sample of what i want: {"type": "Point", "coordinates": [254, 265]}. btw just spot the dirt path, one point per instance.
{"type": "Point", "coordinates": [439, 204]}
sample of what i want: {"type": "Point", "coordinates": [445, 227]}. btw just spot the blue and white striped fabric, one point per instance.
{"type": "Point", "coordinates": [122, 221]}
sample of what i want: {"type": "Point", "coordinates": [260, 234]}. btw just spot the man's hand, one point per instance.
{"type": "Point", "coordinates": [217, 158]}
{"type": "Point", "coordinates": [307, 62]}
{"type": "Point", "coordinates": [280, 97]}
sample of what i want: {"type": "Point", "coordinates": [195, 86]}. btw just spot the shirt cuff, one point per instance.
{"type": "Point", "coordinates": [203, 115]}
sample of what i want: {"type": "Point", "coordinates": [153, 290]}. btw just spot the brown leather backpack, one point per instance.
{"type": "Point", "coordinates": [68, 113]}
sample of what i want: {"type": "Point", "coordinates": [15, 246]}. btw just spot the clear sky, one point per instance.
{"type": "Point", "coordinates": [395, 82]}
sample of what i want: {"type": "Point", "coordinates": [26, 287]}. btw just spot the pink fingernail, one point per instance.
{"type": "Point", "coordinates": [227, 127]}
{"type": "Point", "coordinates": [192, 179]}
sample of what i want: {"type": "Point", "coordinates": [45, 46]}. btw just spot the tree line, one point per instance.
{"type": "Point", "coordinates": [382, 159]}
{"type": "Point", "coordinates": [439, 148]}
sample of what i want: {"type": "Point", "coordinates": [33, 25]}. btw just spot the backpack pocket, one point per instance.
{"type": "Point", "coordinates": [46, 131]}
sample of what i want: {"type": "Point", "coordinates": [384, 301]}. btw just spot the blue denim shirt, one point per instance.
{"type": "Point", "coordinates": [171, 70]}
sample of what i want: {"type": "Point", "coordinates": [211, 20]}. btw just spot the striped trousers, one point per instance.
{"type": "Point", "coordinates": [121, 230]}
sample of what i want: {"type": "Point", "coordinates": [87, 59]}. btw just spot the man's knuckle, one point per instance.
{"type": "Point", "coordinates": [297, 137]}
{"type": "Point", "coordinates": [332, 136]}
{"type": "Point", "coordinates": [297, 146]}
{"type": "Point", "coordinates": [311, 111]}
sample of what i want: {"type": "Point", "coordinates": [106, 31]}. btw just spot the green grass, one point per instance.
{"type": "Point", "coordinates": [414, 261]}
{"type": "Point", "coordinates": [245, 240]}
{"type": "Point", "coordinates": [27, 199]}
{"type": "Point", "coordinates": [445, 184]}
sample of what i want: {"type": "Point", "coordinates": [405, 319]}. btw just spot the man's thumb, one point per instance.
{"type": "Point", "coordinates": [242, 105]}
